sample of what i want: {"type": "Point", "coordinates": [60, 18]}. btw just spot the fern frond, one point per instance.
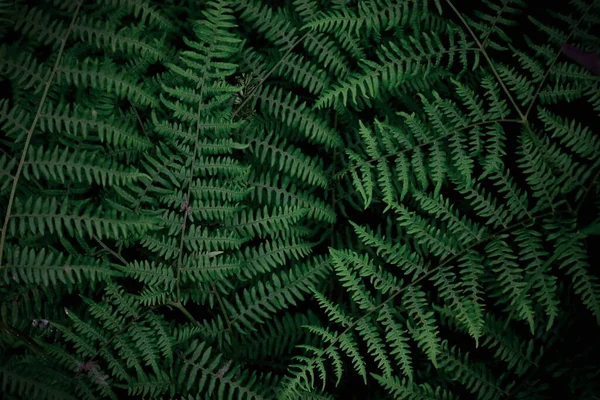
{"type": "Point", "coordinates": [375, 16]}
{"type": "Point", "coordinates": [274, 101]}
{"type": "Point", "coordinates": [422, 327]}
{"type": "Point", "coordinates": [282, 290]}
{"type": "Point", "coordinates": [288, 159]}
{"type": "Point", "coordinates": [217, 377]}
{"type": "Point", "coordinates": [105, 76]}
{"type": "Point", "coordinates": [396, 64]}
{"type": "Point", "coordinates": [510, 279]}
{"type": "Point", "coordinates": [267, 221]}
{"type": "Point", "coordinates": [48, 267]}
{"type": "Point", "coordinates": [405, 390]}
{"type": "Point", "coordinates": [36, 215]}
{"type": "Point", "coordinates": [493, 22]}
{"type": "Point", "coordinates": [572, 257]}
{"type": "Point", "coordinates": [65, 164]}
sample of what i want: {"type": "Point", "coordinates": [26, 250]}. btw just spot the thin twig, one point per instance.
{"type": "Point", "coordinates": [38, 114]}
{"type": "Point", "coordinates": [558, 53]}
{"type": "Point", "coordinates": [111, 251]}
{"type": "Point", "coordinates": [488, 59]}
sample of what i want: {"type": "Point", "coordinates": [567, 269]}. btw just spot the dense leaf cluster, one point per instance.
{"type": "Point", "coordinates": [248, 199]}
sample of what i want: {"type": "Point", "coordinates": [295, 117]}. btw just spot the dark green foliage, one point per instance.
{"type": "Point", "coordinates": [309, 199]}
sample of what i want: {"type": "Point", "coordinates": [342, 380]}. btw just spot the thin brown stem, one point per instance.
{"type": "Point", "coordinates": [13, 190]}
{"type": "Point", "coordinates": [488, 59]}
{"type": "Point", "coordinates": [111, 251]}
